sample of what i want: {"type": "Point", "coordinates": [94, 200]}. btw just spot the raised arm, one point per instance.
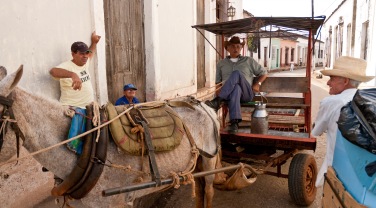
{"type": "Point", "coordinates": [94, 40]}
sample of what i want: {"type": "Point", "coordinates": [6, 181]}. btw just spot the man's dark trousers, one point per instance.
{"type": "Point", "coordinates": [235, 90]}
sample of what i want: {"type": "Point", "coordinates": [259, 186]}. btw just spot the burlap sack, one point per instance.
{"type": "Point", "coordinates": [241, 178]}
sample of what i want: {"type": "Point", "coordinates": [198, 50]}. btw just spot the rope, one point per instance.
{"type": "Point", "coordinates": [175, 180]}
{"type": "Point", "coordinates": [70, 112]}
{"type": "Point", "coordinates": [191, 180]}
{"type": "Point", "coordinates": [217, 87]}
{"type": "Point", "coordinates": [126, 168]}
{"type": "Point", "coordinates": [134, 130]}
{"type": "Point", "coordinates": [5, 122]}
{"type": "Point", "coordinates": [186, 174]}
{"type": "Point", "coordinates": [96, 119]}
{"type": "Point", "coordinates": [66, 141]}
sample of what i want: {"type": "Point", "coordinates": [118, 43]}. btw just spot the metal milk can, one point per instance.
{"type": "Point", "coordinates": [259, 120]}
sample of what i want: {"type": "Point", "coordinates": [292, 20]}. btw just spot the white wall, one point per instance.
{"type": "Point", "coordinates": [170, 43]}
{"type": "Point", "coordinates": [346, 12]}
{"type": "Point", "coordinates": [39, 33]}
{"type": "Point", "coordinates": [371, 65]}
{"type": "Point", "coordinates": [210, 53]}
{"type": "Point", "coordinates": [365, 12]}
{"type": "Point", "coordinates": [178, 49]}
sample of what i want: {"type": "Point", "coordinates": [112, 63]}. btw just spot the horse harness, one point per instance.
{"type": "Point", "coordinates": [7, 115]}
{"type": "Point", "coordinates": [139, 119]}
{"type": "Point", "coordinates": [136, 117]}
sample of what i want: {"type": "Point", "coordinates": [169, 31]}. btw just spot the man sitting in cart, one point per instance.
{"type": "Point", "coordinates": [236, 73]}
{"type": "Point", "coordinates": [345, 77]}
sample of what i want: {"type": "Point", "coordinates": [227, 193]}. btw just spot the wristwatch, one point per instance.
{"type": "Point", "coordinates": [259, 83]}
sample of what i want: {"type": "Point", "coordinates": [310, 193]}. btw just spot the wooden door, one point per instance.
{"type": "Point", "coordinates": [125, 48]}
{"type": "Point", "coordinates": [200, 45]}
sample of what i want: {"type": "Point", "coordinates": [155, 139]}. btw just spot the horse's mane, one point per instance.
{"type": "Point", "coordinates": [48, 103]}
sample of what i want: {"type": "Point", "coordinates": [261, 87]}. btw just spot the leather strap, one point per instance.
{"type": "Point", "coordinates": [189, 135]}
{"type": "Point", "coordinates": [16, 130]}
{"type": "Point", "coordinates": [180, 104]}
{"type": "Point", "coordinates": [89, 153]}
{"type": "Point", "coordinates": [152, 162]}
{"type": "Point", "coordinates": [193, 143]}
{"type": "Point", "coordinates": [364, 122]}
{"type": "Point", "coordinates": [8, 102]}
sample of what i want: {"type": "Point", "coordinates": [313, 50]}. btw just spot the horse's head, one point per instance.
{"type": "Point", "coordinates": [7, 84]}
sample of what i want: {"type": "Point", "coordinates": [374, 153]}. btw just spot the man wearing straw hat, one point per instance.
{"type": "Point", "coordinates": [236, 73]}
{"type": "Point", "coordinates": [345, 77]}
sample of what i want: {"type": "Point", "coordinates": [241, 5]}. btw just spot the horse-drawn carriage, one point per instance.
{"type": "Point", "coordinates": [288, 103]}
{"type": "Point", "coordinates": [288, 106]}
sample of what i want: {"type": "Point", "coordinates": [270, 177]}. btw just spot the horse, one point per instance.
{"type": "Point", "coordinates": [43, 124]}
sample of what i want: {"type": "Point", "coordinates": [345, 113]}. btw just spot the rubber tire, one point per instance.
{"type": "Point", "coordinates": [302, 178]}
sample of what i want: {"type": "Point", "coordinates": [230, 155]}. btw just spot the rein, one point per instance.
{"type": "Point", "coordinates": [7, 115]}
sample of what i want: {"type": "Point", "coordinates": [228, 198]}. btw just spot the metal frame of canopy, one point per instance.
{"type": "Point", "coordinates": [287, 27]}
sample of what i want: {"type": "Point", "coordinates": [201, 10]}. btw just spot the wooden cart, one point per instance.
{"type": "Point", "coordinates": [288, 102]}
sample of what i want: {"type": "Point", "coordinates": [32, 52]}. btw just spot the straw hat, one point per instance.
{"type": "Point", "coordinates": [349, 67]}
{"type": "Point", "coordinates": [233, 40]}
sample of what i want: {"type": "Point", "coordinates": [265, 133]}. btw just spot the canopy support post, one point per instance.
{"type": "Point", "coordinates": [209, 42]}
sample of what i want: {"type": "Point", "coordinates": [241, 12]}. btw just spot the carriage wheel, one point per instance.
{"type": "Point", "coordinates": [302, 178]}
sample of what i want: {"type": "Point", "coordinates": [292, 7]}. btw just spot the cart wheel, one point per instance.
{"type": "Point", "coordinates": [302, 178]}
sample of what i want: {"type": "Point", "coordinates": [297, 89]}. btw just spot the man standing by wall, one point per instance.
{"type": "Point", "coordinates": [76, 87]}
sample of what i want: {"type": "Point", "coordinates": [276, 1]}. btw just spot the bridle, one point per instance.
{"type": "Point", "coordinates": [6, 116]}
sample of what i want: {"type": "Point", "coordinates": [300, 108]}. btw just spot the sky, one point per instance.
{"type": "Point", "coordinates": [290, 8]}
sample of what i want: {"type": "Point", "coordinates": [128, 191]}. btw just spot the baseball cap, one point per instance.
{"type": "Point", "coordinates": [79, 46]}
{"type": "Point", "coordinates": [129, 86]}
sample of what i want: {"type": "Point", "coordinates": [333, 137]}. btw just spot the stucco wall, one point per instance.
{"type": "Point", "coordinates": [346, 12]}
{"type": "Point", "coordinates": [39, 33]}
{"type": "Point", "coordinates": [177, 38]}
{"type": "Point", "coordinates": [371, 69]}
{"type": "Point", "coordinates": [365, 12]}
{"type": "Point", "coordinates": [170, 44]}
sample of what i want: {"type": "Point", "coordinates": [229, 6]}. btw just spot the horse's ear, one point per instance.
{"type": "Point", "coordinates": [8, 83]}
{"type": "Point", "coordinates": [17, 77]}
{"type": "Point", "coordinates": [3, 72]}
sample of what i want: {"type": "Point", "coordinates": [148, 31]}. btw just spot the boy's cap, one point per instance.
{"type": "Point", "coordinates": [129, 86]}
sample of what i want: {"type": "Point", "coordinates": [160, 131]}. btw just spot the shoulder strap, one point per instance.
{"type": "Point", "coordinates": [364, 122]}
